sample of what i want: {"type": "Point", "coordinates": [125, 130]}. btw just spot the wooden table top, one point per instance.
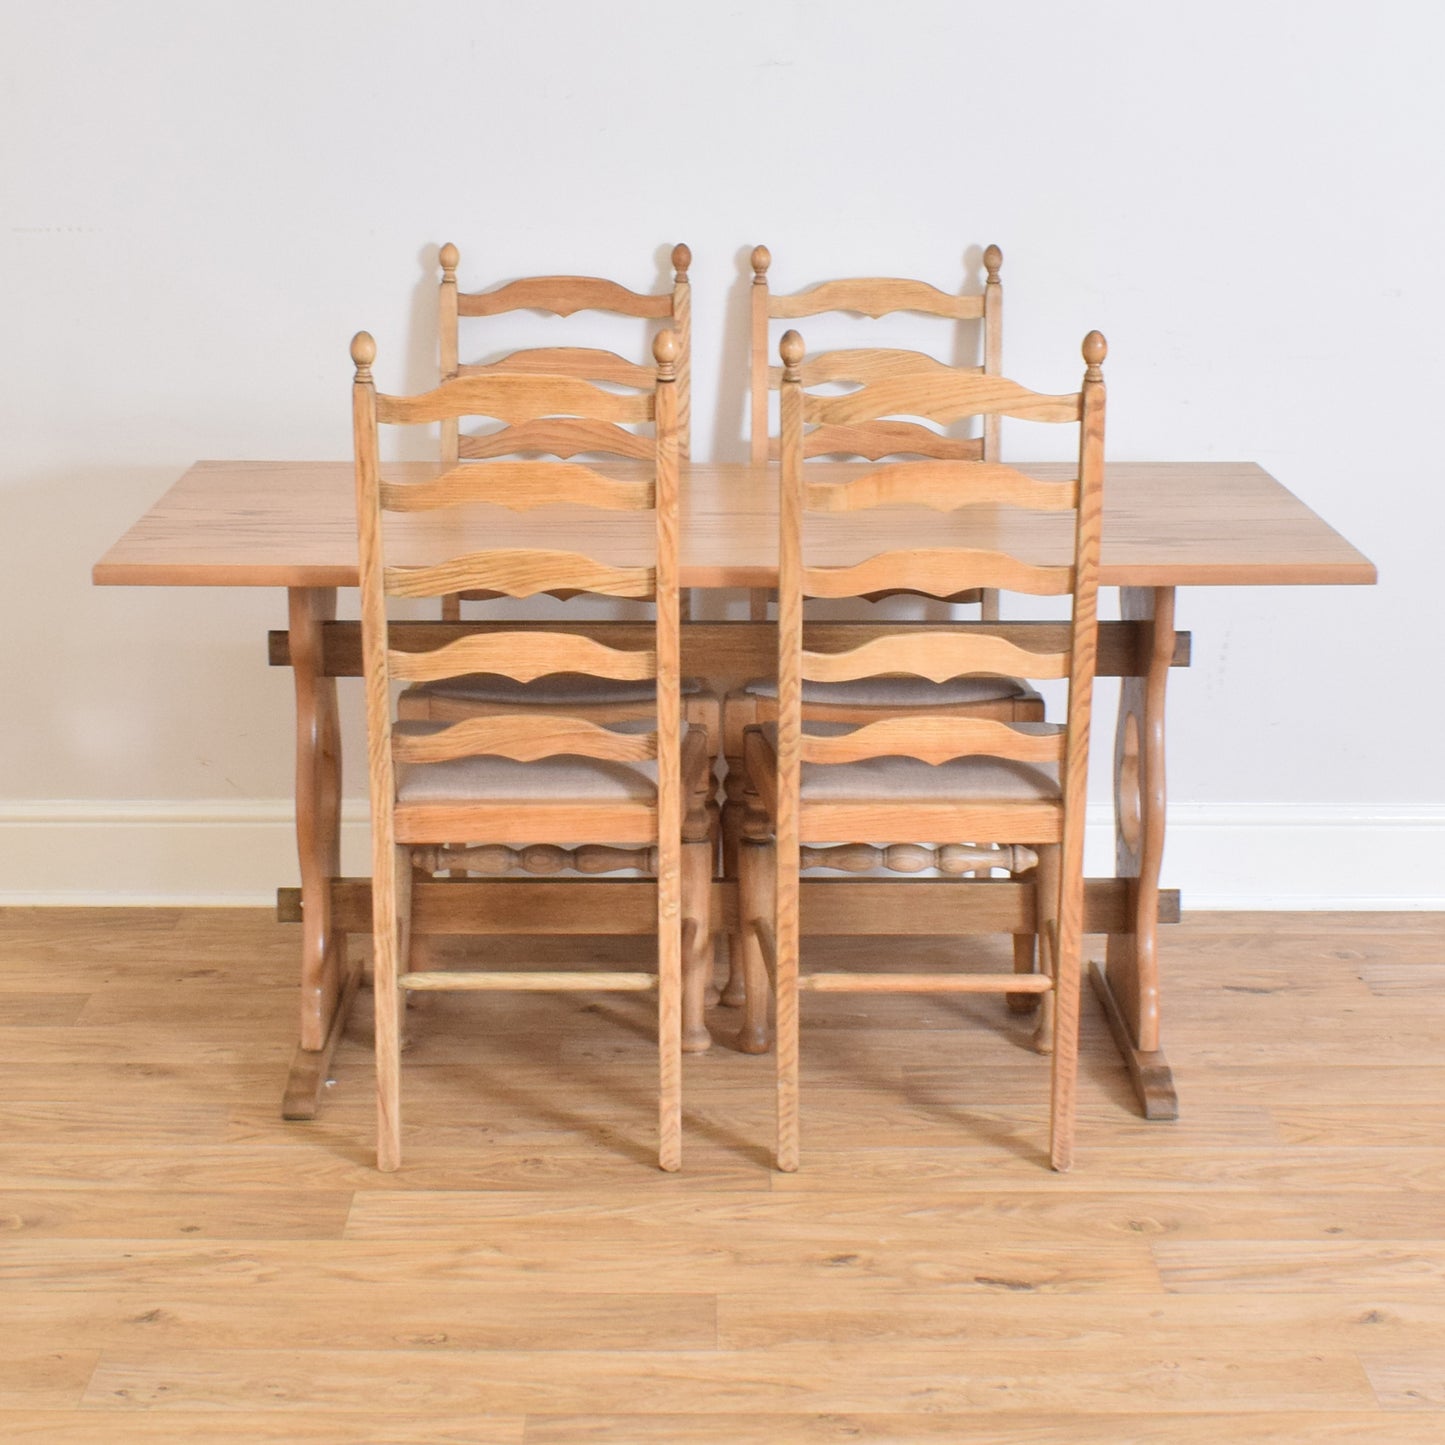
{"type": "Point", "coordinates": [1166, 524]}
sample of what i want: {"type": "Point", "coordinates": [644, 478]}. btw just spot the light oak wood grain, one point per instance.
{"type": "Point", "coordinates": [1166, 524]}
{"type": "Point", "coordinates": [514, 398]}
{"type": "Point", "coordinates": [519, 486]}
{"type": "Point", "coordinates": [44, 1379]}
{"type": "Point", "coordinates": [523, 656]}
{"type": "Point", "coordinates": [936, 572]}
{"type": "Point", "coordinates": [938, 656]}
{"type": "Point", "coordinates": [563, 295]}
{"type": "Point", "coordinates": [525, 739]}
{"type": "Point", "coordinates": [936, 740]}
{"type": "Point", "coordinates": [590, 363]}
{"type": "Point", "coordinates": [943, 487]}
{"type": "Point", "coordinates": [562, 437]}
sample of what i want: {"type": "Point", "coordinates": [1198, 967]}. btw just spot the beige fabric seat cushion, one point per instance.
{"type": "Point", "coordinates": [965, 780]}
{"type": "Point", "coordinates": [549, 780]}
{"type": "Point", "coordinates": [562, 689]}
{"type": "Point", "coordinates": [902, 692]}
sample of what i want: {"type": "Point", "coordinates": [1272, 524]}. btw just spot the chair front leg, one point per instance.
{"type": "Point", "coordinates": [1068, 934]}
{"type": "Point", "coordinates": [734, 993]}
{"type": "Point", "coordinates": [697, 861]}
{"type": "Point", "coordinates": [391, 923]}
{"type": "Point", "coordinates": [756, 890]}
{"type": "Point", "coordinates": [1046, 882]}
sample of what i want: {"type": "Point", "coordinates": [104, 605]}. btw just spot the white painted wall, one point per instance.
{"type": "Point", "coordinates": [201, 201]}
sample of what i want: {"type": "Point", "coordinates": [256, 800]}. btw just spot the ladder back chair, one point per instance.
{"type": "Point", "coordinates": [874, 297]}
{"type": "Point", "coordinates": [468, 795]}
{"type": "Point", "coordinates": [561, 296]}
{"type": "Point", "coordinates": [985, 791]}
{"type": "Point", "coordinates": [604, 700]}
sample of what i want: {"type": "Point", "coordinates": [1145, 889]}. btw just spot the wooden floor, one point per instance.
{"type": "Point", "coordinates": [178, 1264]}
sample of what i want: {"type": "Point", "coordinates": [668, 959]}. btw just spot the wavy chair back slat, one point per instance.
{"type": "Point", "coordinates": [862, 365]}
{"type": "Point", "coordinates": [513, 397]}
{"type": "Point", "coordinates": [874, 296]}
{"type": "Point", "coordinates": [943, 487]}
{"type": "Point", "coordinates": [524, 657]}
{"type": "Point", "coordinates": [557, 437]}
{"type": "Point", "coordinates": [520, 486]}
{"type": "Point", "coordinates": [888, 438]}
{"type": "Point", "coordinates": [938, 740]}
{"type": "Point", "coordinates": [941, 572]}
{"type": "Point", "coordinates": [942, 399]}
{"type": "Point", "coordinates": [937, 656]}
{"type": "Point", "coordinates": [524, 738]}
{"type": "Point", "coordinates": [521, 572]}
{"type": "Point", "coordinates": [588, 363]}
{"type": "Point", "coordinates": [564, 296]}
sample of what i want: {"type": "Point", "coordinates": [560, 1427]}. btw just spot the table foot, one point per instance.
{"type": "Point", "coordinates": [310, 1068]}
{"type": "Point", "coordinates": [1149, 1070]}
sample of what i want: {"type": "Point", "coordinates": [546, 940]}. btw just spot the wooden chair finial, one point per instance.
{"type": "Point", "coordinates": [1095, 350]}
{"type": "Point", "coordinates": [363, 353]}
{"type": "Point", "coordinates": [681, 260]}
{"type": "Point", "coordinates": [992, 261]}
{"type": "Point", "coordinates": [448, 256]}
{"type": "Point", "coordinates": [791, 349]}
{"type": "Point", "coordinates": [761, 259]}
{"type": "Point", "coordinates": [664, 352]}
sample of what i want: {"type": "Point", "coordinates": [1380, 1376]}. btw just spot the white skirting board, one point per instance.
{"type": "Point", "coordinates": [227, 853]}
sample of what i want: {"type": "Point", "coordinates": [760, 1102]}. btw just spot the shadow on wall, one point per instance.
{"type": "Point", "coordinates": [131, 692]}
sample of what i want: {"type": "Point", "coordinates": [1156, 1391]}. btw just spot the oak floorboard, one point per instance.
{"type": "Point", "coordinates": [32, 1378]}
{"type": "Point", "coordinates": [177, 1263]}
{"type": "Point", "coordinates": [227, 1427]}
{"type": "Point", "coordinates": [192, 1214]}
{"type": "Point", "coordinates": [1129, 1170]}
{"type": "Point", "coordinates": [44, 1010]}
{"type": "Point", "coordinates": [1363, 1126]}
{"type": "Point", "coordinates": [1410, 1380]}
{"type": "Point", "coordinates": [208, 1040]}
{"type": "Point", "coordinates": [1281, 1087]}
{"type": "Point", "coordinates": [1333, 923]}
{"type": "Point", "coordinates": [1301, 1266]}
{"type": "Point", "coordinates": [670, 1262]}
{"type": "Point", "coordinates": [97, 1122]}
{"type": "Point", "coordinates": [147, 1083]}
{"type": "Point", "coordinates": [995, 1220]}
{"type": "Point", "coordinates": [790, 1381]}
{"type": "Point", "coordinates": [986, 1427]}
{"type": "Point", "coordinates": [441, 1317]}
{"type": "Point", "coordinates": [344, 1160]}
{"type": "Point", "coordinates": [1058, 1325]}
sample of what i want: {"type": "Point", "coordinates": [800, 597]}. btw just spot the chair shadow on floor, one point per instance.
{"type": "Point", "coordinates": [962, 1046]}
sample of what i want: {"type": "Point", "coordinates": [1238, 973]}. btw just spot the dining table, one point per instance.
{"type": "Point", "coordinates": [1167, 525]}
